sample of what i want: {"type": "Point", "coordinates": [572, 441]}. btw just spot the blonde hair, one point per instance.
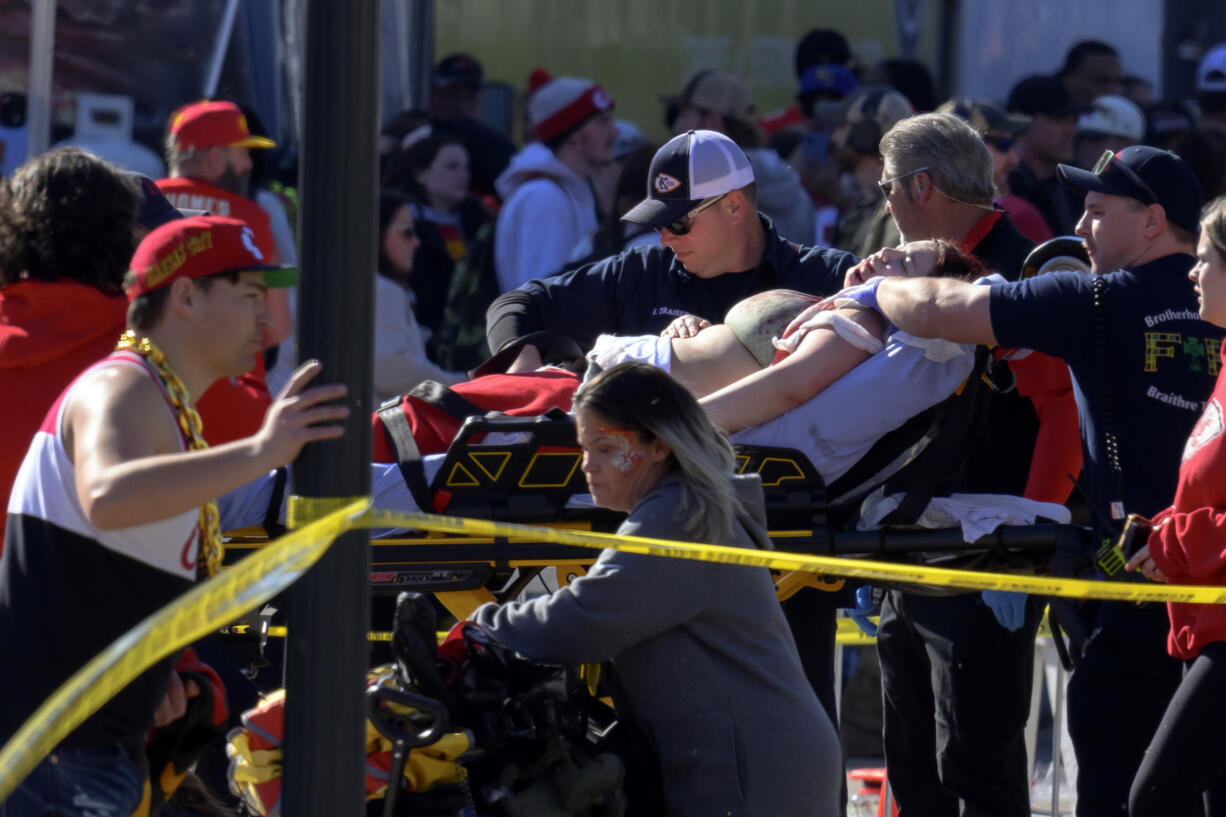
{"type": "Point", "coordinates": [1213, 224]}
{"type": "Point", "coordinates": [641, 398]}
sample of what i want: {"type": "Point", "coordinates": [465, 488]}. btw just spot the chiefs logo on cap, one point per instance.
{"type": "Point", "coordinates": [601, 100]}
{"type": "Point", "coordinates": [665, 183]}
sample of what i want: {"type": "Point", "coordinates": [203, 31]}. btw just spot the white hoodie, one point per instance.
{"type": "Point", "coordinates": [548, 212]}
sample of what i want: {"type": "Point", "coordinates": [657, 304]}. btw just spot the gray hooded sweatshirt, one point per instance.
{"type": "Point", "coordinates": [707, 662]}
{"type": "Point", "coordinates": [782, 197]}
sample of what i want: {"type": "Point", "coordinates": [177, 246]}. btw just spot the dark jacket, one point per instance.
{"type": "Point", "coordinates": [1001, 463]}
{"type": "Point", "coordinates": [1060, 208]}
{"type": "Point", "coordinates": [643, 289]}
{"type": "Point", "coordinates": [433, 265]}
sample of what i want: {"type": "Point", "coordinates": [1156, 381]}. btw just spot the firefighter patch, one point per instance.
{"type": "Point", "coordinates": [665, 183]}
{"type": "Point", "coordinates": [1208, 428]}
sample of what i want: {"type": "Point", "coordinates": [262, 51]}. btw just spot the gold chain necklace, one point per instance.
{"type": "Point", "coordinates": [211, 548]}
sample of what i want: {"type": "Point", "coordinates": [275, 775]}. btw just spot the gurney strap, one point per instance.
{"type": "Point", "coordinates": [408, 457]}
{"type": "Point", "coordinates": [962, 420]}
{"type": "Point", "coordinates": [445, 398]}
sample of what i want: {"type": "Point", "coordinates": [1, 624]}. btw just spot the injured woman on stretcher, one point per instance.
{"type": "Point", "coordinates": [827, 378]}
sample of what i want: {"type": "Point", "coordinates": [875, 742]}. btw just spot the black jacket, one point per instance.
{"type": "Point", "coordinates": [643, 289]}
{"type": "Point", "coordinates": [1000, 464]}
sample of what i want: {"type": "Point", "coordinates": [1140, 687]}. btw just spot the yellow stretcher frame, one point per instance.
{"type": "Point", "coordinates": [462, 602]}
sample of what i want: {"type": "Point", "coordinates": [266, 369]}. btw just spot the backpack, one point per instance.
{"type": "Point", "coordinates": [459, 342]}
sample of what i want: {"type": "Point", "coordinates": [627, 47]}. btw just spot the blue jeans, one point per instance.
{"type": "Point", "coordinates": [102, 782]}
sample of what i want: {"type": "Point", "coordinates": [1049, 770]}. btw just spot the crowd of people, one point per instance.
{"type": "Point", "coordinates": [813, 278]}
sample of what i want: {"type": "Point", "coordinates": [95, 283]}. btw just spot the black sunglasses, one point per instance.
{"type": "Point", "coordinates": [683, 225]}
{"type": "Point", "coordinates": [887, 186]}
{"type": "Point", "coordinates": [1110, 157]}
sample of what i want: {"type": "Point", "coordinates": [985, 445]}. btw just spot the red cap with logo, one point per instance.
{"type": "Point", "coordinates": [212, 123]}
{"type": "Point", "coordinates": [197, 247]}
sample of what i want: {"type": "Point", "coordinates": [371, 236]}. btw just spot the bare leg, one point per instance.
{"type": "Point", "coordinates": [710, 360]}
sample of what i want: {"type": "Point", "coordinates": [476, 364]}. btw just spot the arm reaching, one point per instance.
{"type": "Point", "coordinates": [123, 459]}
{"type": "Point", "coordinates": [938, 308]}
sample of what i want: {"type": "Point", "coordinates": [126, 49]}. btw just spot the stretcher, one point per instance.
{"type": "Point", "coordinates": [527, 470]}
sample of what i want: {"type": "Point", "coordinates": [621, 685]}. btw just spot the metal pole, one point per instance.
{"type": "Point", "coordinates": [421, 52]}
{"type": "Point", "coordinates": [213, 73]}
{"type": "Point", "coordinates": [1057, 735]}
{"type": "Point", "coordinates": [42, 63]}
{"type": "Point", "coordinates": [326, 652]}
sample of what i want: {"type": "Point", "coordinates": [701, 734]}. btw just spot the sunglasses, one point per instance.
{"type": "Point", "coordinates": [1106, 161]}
{"type": "Point", "coordinates": [1000, 143]}
{"type": "Point", "coordinates": [887, 187]}
{"type": "Point", "coordinates": [683, 225]}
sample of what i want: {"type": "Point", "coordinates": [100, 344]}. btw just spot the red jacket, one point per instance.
{"type": "Point", "coordinates": [1188, 542]}
{"type": "Point", "coordinates": [527, 394]}
{"type": "Point", "coordinates": [49, 333]}
{"type": "Point", "coordinates": [1057, 448]}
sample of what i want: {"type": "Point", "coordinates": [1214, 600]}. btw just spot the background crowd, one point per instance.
{"type": "Point", "coordinates": [488, 250]}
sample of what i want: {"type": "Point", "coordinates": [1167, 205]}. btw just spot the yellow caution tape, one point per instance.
{"type": "Point", "coordinates": [205, 608]}
{"type": "Point", "coordinates": [301, 510]}
{"type": "Point", "coordinates": [870, 571]}
{"type": "Point", "coordinates": [257, 578]}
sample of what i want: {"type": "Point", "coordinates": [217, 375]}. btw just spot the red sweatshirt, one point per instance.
{"type": "Point", "coordinates": [1188, 542]}
{"type": "Point", "coordinates": [49, 333]}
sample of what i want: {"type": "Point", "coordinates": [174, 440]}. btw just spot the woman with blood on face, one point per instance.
{"type": "Point", "coordinates": [701, 650]}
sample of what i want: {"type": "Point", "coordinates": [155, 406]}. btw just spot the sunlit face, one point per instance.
{"type": "Point", "coordinates": [620, 467]}
{"type": "Point", "coordinates": [235, 316]}
{"type": "Point", "coordinates": [900, 200]}
{"type": "Point", "coordinates": [400, 242]}
{"type": "Point", "coordinates": [1112, 227]}
{"type": "Point", "coordinates": [446, 179]}
{"type": "Point", "coordinates": [1209, 280]}
{"type": "Point", "coordinates": [703, 250]}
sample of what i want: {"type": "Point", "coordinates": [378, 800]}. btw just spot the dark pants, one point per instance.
{"type": "Point", "coordinates": [811, 615]}
{"type": "Point", "coordinates": [956, 690]}
{"type": "Point", "coordinates": [102, 782]}
{"type": "Point", "coordinates": [1116, 699]}
{"type": "Point", "coordinates": [1185, 765]}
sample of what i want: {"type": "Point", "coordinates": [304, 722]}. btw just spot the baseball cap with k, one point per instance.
{"type": "Point", "coordinates": [692, 167]}
{"type": "Point", "coordinates": [197, 247]}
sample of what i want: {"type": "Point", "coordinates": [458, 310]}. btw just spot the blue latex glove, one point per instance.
{"type": "Point", "coordinates": [863, 609]}
{"type": "Point", "coordinates": [1008, 607]}
{"type": "Point", "coordinates": [864, 294]}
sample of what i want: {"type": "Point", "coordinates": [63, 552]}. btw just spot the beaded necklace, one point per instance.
{"type": "Point", "coordinates": [211, 548]}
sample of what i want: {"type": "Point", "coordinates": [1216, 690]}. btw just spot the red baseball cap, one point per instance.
{"type": "Point", "coordinates": [209, 124]}
{"type": "Point", "coordinates": [197, 247]}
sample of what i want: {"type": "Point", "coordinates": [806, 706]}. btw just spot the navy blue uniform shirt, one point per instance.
{"type": "Point", "coordinates": [641, 291]}
{"type": "Point", "coordinates": [1161, 359]}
